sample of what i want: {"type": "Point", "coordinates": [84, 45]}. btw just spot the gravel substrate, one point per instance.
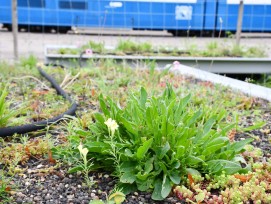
{"type": "Point", "coordinates": [41, 183]}
{"type": "Point", "coordinates": [262, 137]}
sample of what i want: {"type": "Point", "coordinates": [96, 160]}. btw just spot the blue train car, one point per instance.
{"type": "Point", "coordinates": [256, 17]}
{"type": "Point", "coordinates": [141, 14]}
{"type": "Point", "coordinates": [172, 15]}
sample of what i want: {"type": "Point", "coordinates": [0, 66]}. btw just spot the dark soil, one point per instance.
{"type": "Point", "coordinates": [42, 183]}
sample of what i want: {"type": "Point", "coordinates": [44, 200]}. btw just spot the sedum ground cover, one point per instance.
{"type": "Point", "coordinates": [155, 132]}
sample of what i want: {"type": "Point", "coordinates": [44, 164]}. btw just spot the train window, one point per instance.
{"type": "Point", "coordinates": [81, 5]}
{"type": "Point", "coordinates": [32, 3]}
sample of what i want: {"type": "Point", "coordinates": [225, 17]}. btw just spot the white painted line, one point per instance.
{"type": "Point", "coordinates": [251, 2]}
{"type": "Point", "coordinates": [247, 88]}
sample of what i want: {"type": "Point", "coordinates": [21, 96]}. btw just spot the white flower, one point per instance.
{"type": "Point", "coordinates": [40, 64]}
{"type": "Point", "coordinates": [83, 152]}
{"type": "Point", "coordinates": [112, 125]}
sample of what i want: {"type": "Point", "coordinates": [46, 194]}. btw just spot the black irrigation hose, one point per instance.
{"type": "Point", "coordinates": [8, 131]}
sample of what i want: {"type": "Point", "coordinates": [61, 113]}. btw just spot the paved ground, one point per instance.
{"type": "Point", "coordinates": [34, 43]}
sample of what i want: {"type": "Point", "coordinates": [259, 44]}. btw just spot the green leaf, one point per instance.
{"type": "Point", "coordinates": [193, 171]}
{"type": "Point", "coordinates": [228, 166]}
{"type": "Point", "coordinates": [128, 166]}
{"type": "Point", "coordinates": [166, 186]}
{"type": "Point", "coordinates": [142, 177]}
{"type": "Point", "coordinates": [217, 144]}
{"type": "Point", "coordinates": [216, 141]}
{"type": "Point", "coordinates": [99, 117]}
{"type": "Point", "coordinates": [149, 118]}
{"type": "Point", "coordinates": [180, 152]}
{"type": "Point", "coordinates": [162, 151]}
{"type": "Point", "coordinates": [183, 102]}
{"type": "Point", "coordinates": [75, 169]}
{"type": "Point", "coordinates": [142, 150]}
{"type": "Point", "coordinates": [127, 188]}
{"type": "Point", "coordinates": [149, 165]}
{"type": "Point", "coordinates": [239, 146]}
{"type": "Point", "coordinates": [208, 125]}
{"type": "Point", "coordinates": [98, 147]}
{"type": "Point", "coordinates": [103, 106]}
{"type": "Point", "coordinates": [175, 177]}
{"type": "Point", "coordinates": [193, 160]}
{"type": "Point", "coordinates": [176, 164]}
{"type": "Point", "coordinates": [129, 126]}
{"type": "Point", "coordinates": [144, 185]}
{"type": "Point", "coordinates": [82, 132]}
{"type": "Point", "coordinates": [156, 194]}
{"type": "Point", "coordinates": [128, 177]}
{"type": "Point", "coordinates": [194, 118]}
{"type": "Point", "coordinates": [164, 124]}
{"type": "Point", "coordinates": [258, 125]}
{"type": "Point", "coordinates": [143, 97]}
{"type": "Point", "coordinates": [163, 166]}
{"type": "Point", "coordinates": [128, 153]}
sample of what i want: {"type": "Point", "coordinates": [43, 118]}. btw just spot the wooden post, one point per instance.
{"type": "Point", "coordinates": [239, 22]}
{"type": "Point", "coordinates": [15, 29]}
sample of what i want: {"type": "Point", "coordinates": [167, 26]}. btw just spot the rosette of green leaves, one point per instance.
{"type": "Point", "coordinates": [161, 139]}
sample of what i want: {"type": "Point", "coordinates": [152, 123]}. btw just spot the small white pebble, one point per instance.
{"type": "Point", "coordinates": [70, 196]}
{"type": "Point", "coordinates": [136, 193]}
{"type": "Point", "coordinates": [92, 195]}
{"type": "Point", "coordinates": [27, 183]}
{"type": "Point", "coordinates": [106, 176]}
{"type": "Point", "coordinates": [67, 185]}
{"type": "Point", "coordinates": [79, 186]}
{"type": "Point", "coordinates": [39, 166]}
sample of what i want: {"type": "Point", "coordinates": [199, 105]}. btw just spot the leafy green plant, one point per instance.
{"type": "Point", "coordinates": [94, 46]}
{"type": "Point", "coordinates": [145, 47]}
{"type": "Point", "coordinates": [5, 112]}
{"type": "Point", "coordinates": [29, 62]}
{"type": "Point", "coordinates": [5, 187]}
{"type": "Point", "coordinates": [127, 46]}
{"type": "Point", "coordinates": [71, 51]}
{"type": "Point", "coordinates": [159, 140]}
{"type": "Point", "coordinates": [84, 166]}
{"type": "Point", "coordinates": [237, 51]}
{"type": "Point", "coordinates": [255, 51]}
